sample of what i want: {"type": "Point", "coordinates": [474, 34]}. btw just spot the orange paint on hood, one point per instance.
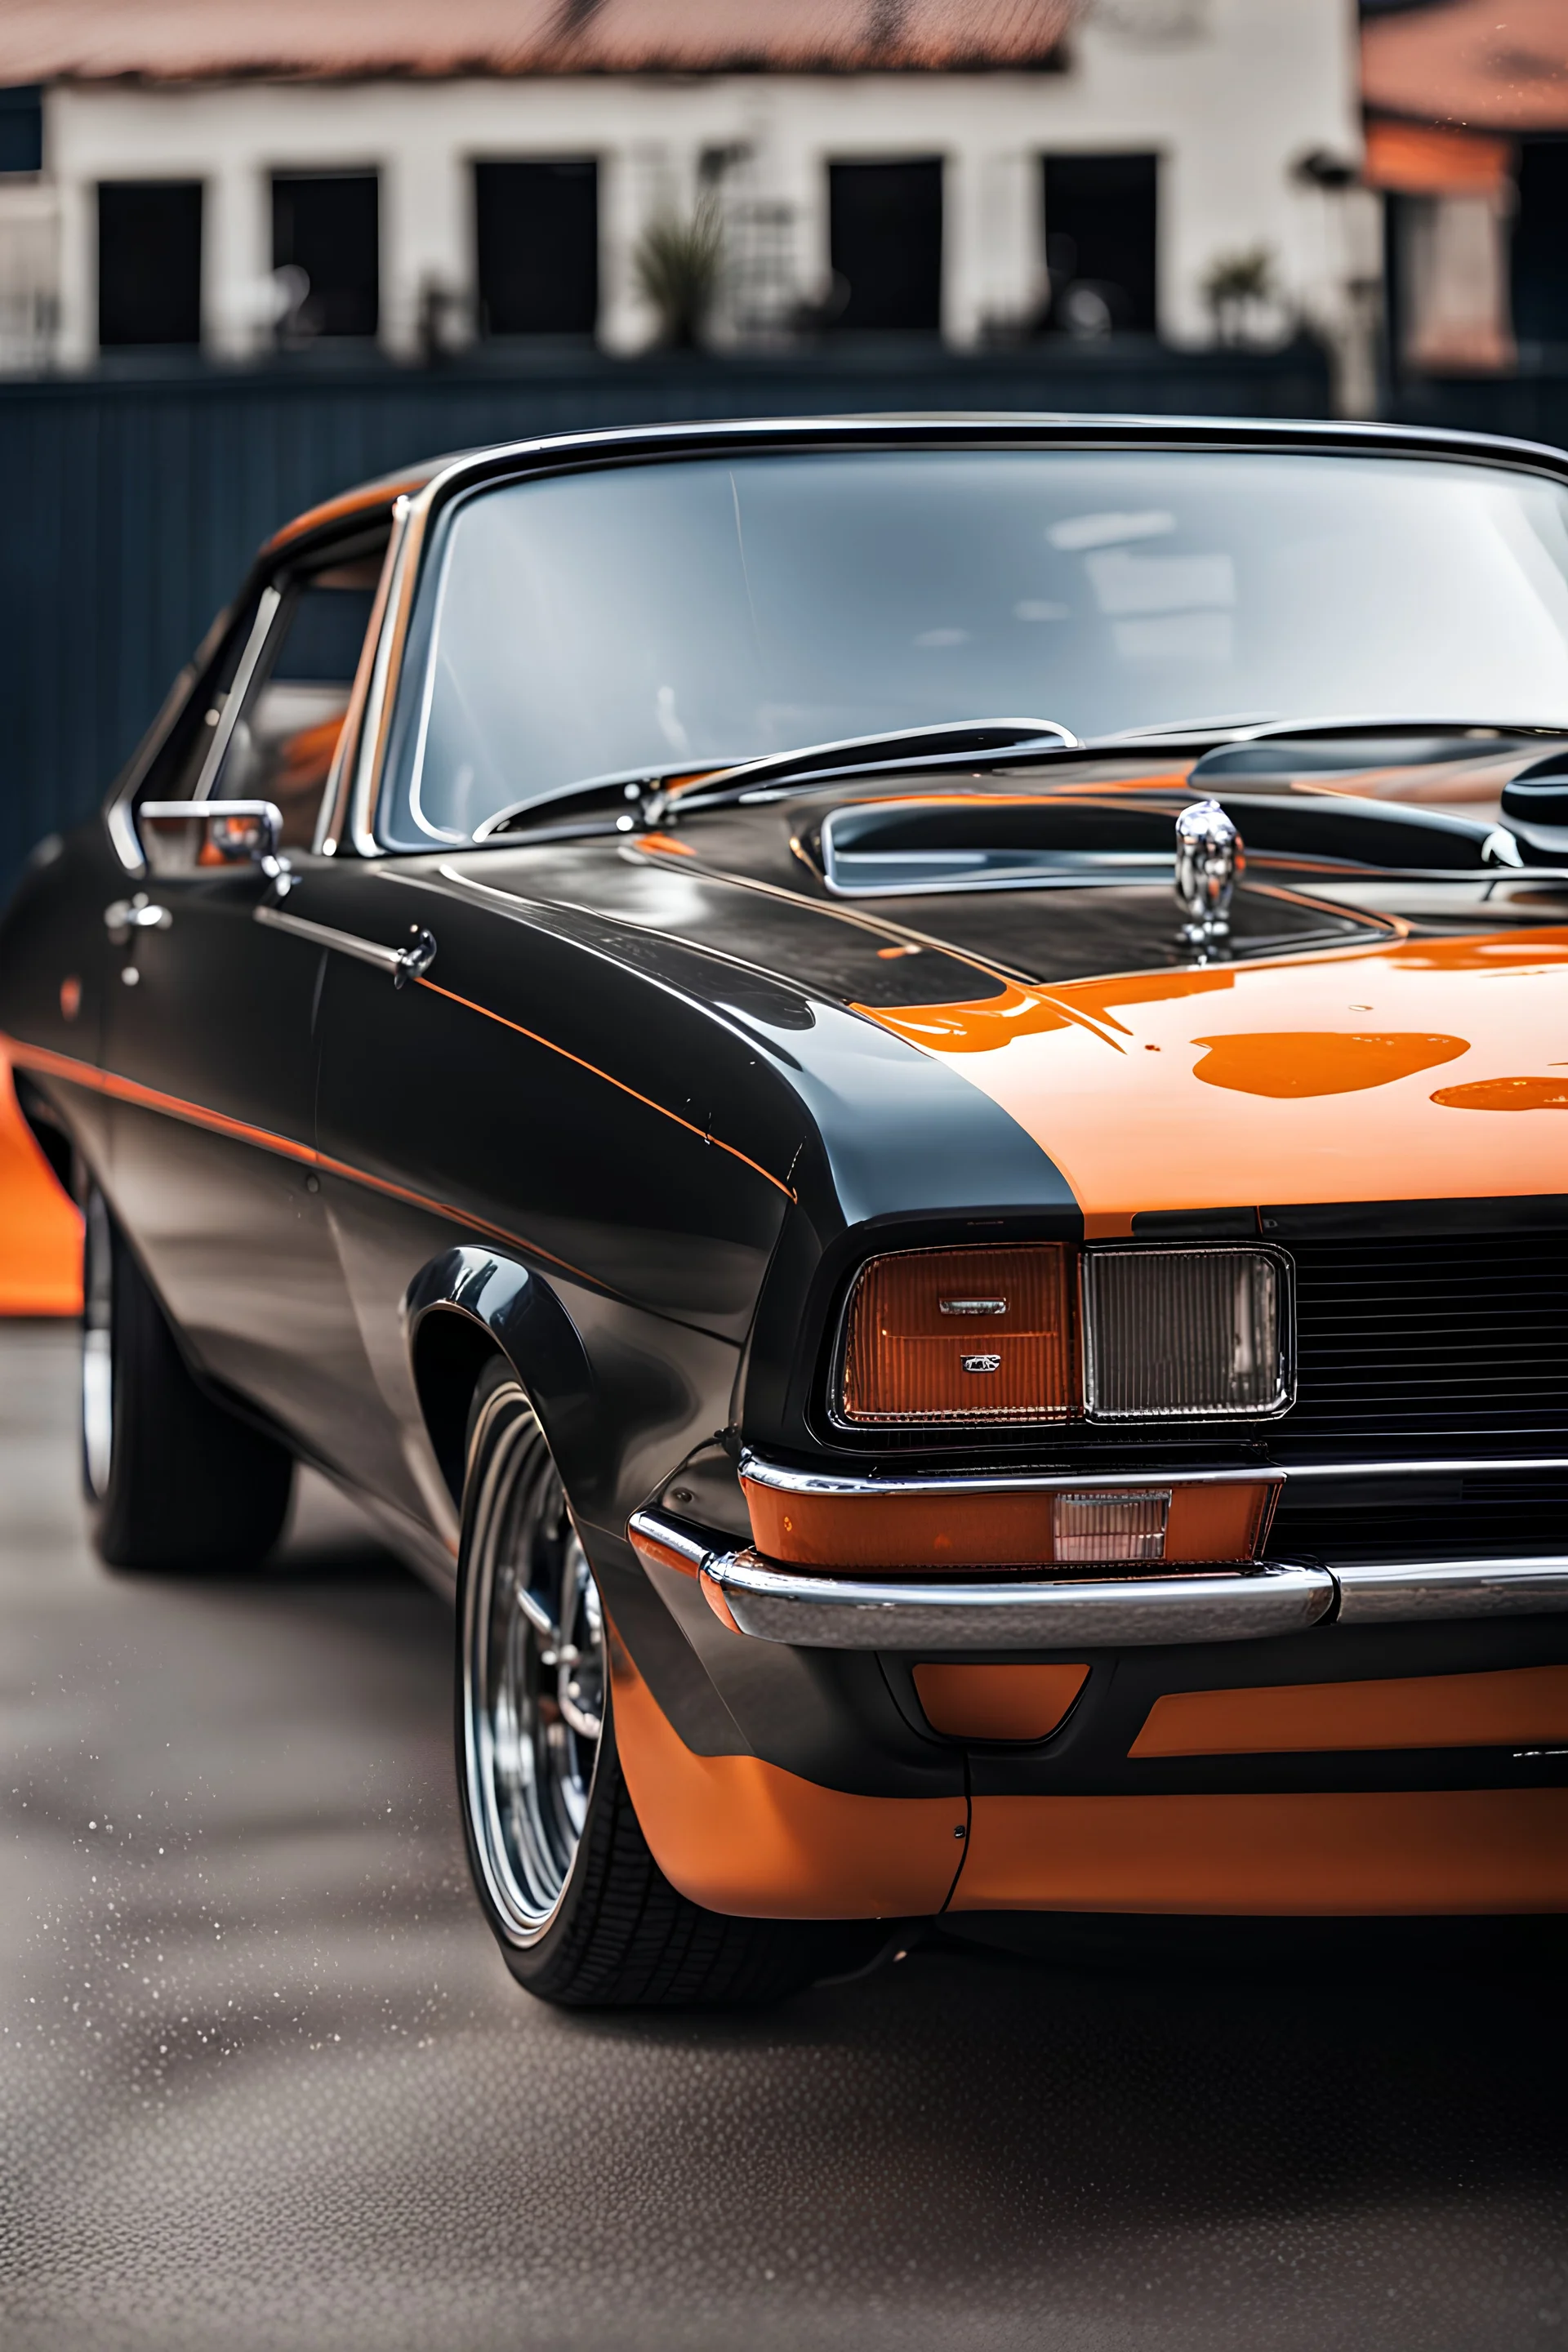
{"type": "Point", "coordinates": [1300, 1080]}
{"type": "Point", "coordinates": [1288, 1064]}
{"type": "Point", "coordinates": [1507, 1094]}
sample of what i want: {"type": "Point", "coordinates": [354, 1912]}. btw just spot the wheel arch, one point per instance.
{"type": "Point", "coordinates": [471, 1304]}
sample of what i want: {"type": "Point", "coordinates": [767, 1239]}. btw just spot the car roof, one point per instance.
{"type": "Point", "coordinates": [365, 498]}
{"type": "Point", "coordinates": [1317, 433]}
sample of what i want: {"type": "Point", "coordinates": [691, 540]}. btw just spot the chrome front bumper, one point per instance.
{"type": "Point", "coordinates": [815, 1611]}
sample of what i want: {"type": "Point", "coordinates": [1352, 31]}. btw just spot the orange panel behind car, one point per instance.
{"type": "Point", "coordinates": [41, 1231]}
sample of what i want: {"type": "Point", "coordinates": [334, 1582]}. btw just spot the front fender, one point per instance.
{"type": "Point", "coordinates": [471, 1299]}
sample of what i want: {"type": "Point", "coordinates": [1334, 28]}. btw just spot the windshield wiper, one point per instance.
{"type": "Point", "coordinates": [622, 801]}
{"type": "Point", "coordinates": [955, 742]}
{"type": "Point", "coordinates": [632, 798]}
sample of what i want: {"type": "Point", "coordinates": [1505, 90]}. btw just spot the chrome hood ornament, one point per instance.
{"type": "Point", "coordinates": [1209, 858]}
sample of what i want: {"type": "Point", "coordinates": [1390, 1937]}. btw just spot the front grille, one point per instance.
{"type": "Point", "coordinates": [1450, 1344]}
{"type": "Point", "coordinates": [1474, 1517]}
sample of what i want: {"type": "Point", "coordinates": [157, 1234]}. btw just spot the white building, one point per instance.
{"type": "Point", "coordinates": [1467, 140]}
{"type": "Point", "coordinates": [205, 174]}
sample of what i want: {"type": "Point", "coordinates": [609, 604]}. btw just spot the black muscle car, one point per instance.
{"type": "Point", "coordinates": [894, 1090]}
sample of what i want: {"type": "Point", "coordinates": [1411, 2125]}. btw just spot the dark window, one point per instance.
{"type": "Point", "coordinates": [22, 128]}
{"type": "Point", "coordinates": [149, 262]}
{"type": "Point", "coordinates": [1541, 243]}
{"type": "Point", "coordinates": [537, 235]}
{"type": "Point", "coordinates": [327, 225]}
{"type": "Point", "coordinates": [1102, 228]}
{"type": "Point", "coordinates": [885, 233]}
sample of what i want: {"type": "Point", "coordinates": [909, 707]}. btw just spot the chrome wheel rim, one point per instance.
{"type": "Point", "coordinates": [97, 1349]}
{"type": "Point", "coordinates": [533, 1674]}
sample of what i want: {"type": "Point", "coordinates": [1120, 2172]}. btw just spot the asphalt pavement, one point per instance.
{"type": "Point", "coordinates": [264, 2081]}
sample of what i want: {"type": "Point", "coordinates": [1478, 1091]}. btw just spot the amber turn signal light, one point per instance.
{"type": "Point", "coordinates": [960, 1335]}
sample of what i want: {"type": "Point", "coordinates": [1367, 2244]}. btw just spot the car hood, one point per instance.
{"type": "Point", "coordinates": [1415, 1069]}
{"type": "Point", "coordinates": [1403, 1038]}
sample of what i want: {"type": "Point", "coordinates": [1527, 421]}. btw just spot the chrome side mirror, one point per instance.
{"type": "Point", "coordinates": [197, 836]}
{"type": "Point", "coordinates": [1209, 859]}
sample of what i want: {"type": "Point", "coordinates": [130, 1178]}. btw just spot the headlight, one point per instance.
{"type": "Point", "coordinates": [1186, 1334]}
{"type": "Point", "coordinates": [960, 1335]}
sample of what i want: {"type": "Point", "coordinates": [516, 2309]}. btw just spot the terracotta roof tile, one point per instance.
{"type": "Point", "coordinates": [1470, 64]}
{"type": "Point", "coordinates": [177, 40]}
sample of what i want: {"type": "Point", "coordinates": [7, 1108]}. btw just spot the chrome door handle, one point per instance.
{"type": "Point", "coordinates": [402, 964]}
{"type": "Point", "coordinates": [123, 916]}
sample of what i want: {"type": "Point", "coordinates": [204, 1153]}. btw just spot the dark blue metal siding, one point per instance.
{"type": "Point", "coordinates": [1531, 405]}
{"type": "Point", "coordinates": [131, 505]}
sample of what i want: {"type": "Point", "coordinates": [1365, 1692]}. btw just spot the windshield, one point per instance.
{"type": "Point", "coordinates": [705, 611]}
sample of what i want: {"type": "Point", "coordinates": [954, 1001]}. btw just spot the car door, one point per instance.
{"type": "Point", "coordinates": [209, 1026]}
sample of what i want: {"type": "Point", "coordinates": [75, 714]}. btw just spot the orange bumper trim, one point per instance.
{"type": "Point", "coordinates": [1001, 1528]}
{"type": "Point", "coordinates": [1519, 1706]}
{"type": "Point", "coordinates": [1328, 1852]}
{"type": "Point", "coordinates": [740, 1835]}
{"type": "Point", "coordinates": [1022, 1702]}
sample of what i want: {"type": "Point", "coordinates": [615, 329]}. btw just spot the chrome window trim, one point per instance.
{"type": "Point", "coordinates": [369, 778]}
{"type": "Point", "coordinates": [234, 702]}
{"type": "Point", "coordinates": [439, 837]}
{"type": "Point", "coordinates": [332, 815]}
{"type": "Point", "coordinates": [123, 835]}
{"type": "Point", "coordinates": [1095, 1253]}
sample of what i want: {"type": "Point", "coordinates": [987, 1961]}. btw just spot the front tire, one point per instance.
{"type": "Point", "coordinates": [173, 1482]}
{"type": "Point", "coordinates": [582, 1913]}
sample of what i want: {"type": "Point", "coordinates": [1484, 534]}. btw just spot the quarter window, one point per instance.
{"type": "Point", "coordinates": [282, 744]}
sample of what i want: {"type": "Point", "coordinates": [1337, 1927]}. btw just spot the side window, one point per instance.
{"type": "Point", "coordinates": [281, 745]}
